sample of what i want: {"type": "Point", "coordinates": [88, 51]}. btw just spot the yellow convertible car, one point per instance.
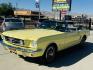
{"type": "Point", "coordinates": [49, 38]}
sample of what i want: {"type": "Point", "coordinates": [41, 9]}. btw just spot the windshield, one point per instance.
{"type": "Point", "coordinates": [59, 26]}
{"type": "Point", "coordinates": [47, 24]}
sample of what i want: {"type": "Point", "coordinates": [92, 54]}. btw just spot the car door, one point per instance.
{"type": "Point", "coordinates": [71, 39]}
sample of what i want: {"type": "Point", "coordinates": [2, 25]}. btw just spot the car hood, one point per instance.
{"type": "Point", "coordinates": [31, 34]}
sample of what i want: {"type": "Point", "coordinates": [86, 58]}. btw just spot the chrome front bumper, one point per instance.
{"type": "Point", "coordinates": [23, 51]}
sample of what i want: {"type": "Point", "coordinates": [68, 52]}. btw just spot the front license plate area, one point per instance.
{"type": "Point", "coordinates": [12, 49]}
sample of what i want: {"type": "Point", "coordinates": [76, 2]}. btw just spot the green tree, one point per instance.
{"type": "Point", "coordinates": [6, 9]}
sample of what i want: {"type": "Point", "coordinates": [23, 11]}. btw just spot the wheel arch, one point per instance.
{"type": "Point", "coordinates": [54, 45]}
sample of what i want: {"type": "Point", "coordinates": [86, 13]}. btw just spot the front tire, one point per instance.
{"type": "Point", "coordinates": [49, 54]}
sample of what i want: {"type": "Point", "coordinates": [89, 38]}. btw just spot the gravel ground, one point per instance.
{"type": "Point", "coordinates": [74, 59]}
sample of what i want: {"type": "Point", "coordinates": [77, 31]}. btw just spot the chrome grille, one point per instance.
{"type": "Point", "coordinates": [14, 40]}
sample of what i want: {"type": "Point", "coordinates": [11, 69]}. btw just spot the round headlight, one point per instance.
{"type": "Point", "coordinates": [34, 44]}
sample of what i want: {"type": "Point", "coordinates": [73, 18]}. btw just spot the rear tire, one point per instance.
{"type": "Point", "coordinates": [83, 41]}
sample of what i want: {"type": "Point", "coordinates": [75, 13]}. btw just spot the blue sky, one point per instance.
{"type": "Point", "coordinates": [78, 6]}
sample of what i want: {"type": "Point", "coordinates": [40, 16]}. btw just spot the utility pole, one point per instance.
{"type": "Point", "coordinates": [39, 9]}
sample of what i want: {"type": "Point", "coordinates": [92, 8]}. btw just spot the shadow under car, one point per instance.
{"type": "Point", "coordinates": [67, 57]}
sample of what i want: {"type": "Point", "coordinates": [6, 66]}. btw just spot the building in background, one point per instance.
{"type": "Point", "coordinates": [28, 16]}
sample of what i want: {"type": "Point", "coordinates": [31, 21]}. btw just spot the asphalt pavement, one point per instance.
{"type": "Point", "coordinates": [71, 59]}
